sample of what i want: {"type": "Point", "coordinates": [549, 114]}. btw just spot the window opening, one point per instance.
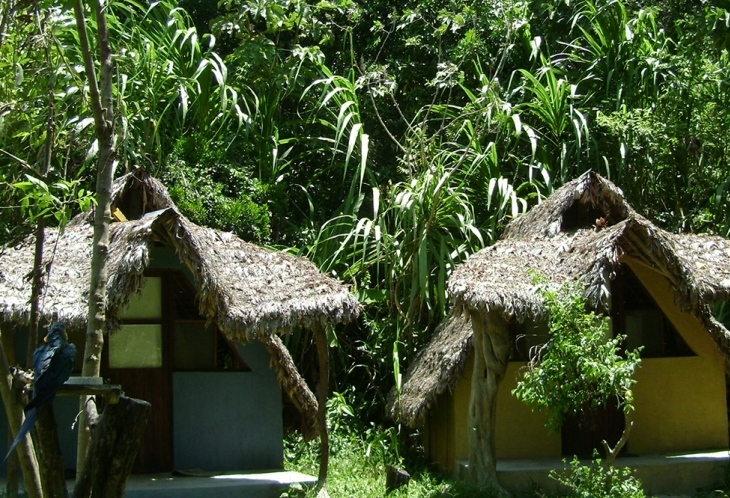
{"type": "Point", "coordinates": [199, 346]}
{"type": "Point", "coordinates": [639, 317]}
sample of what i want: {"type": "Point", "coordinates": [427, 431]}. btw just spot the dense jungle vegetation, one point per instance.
{"type": "Point", "coordinates": [386, 142]}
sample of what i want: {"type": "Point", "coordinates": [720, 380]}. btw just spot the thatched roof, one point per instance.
{"type": "Point", "coordinates": [247, 290]}
{"type": "Point", "coordinates": [498, 277]}
{"type": "Point", "coordinates": [560, 240]}
{"type": "Point", "coordinates": [590, 189]}
{"type": "Point", "coordinates": [437, 367]}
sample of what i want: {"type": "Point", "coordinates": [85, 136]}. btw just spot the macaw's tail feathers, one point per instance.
{"type": "Point", "coordinates": [34, 403]}
{"type": "Point", "coordinates": [30, 417]}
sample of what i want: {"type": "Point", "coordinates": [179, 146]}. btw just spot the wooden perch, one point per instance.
{"type": "Point", "coordinates": [111, 392]}
{"type": "Point", "coordinates": [23, 380]}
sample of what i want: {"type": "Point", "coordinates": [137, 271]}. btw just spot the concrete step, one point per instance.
{"type": "Point", "coordinates": [193, 484]}
{"type": "Point", "coordinates": [674, 474]}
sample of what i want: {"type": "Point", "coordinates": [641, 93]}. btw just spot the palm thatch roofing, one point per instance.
{"type": "Point", "coordinates": [246, 290]}
{"type": "Point", "coordinates": [583, 232]}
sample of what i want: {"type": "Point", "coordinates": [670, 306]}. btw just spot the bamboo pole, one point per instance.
{"type": "Point", "coordinates": [320, 339]}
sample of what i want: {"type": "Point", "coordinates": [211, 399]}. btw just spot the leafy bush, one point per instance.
{"type": "Point", "coordinates": [597, 481]}
{"type": "Point", "coordinates": [580, 366]}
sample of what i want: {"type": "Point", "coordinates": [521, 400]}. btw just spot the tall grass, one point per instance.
{"type": "Point", "coordinates": [359, 456]}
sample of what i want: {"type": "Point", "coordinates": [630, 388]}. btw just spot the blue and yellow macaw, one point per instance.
{"type": "Point", "coordinates": [53, 361]}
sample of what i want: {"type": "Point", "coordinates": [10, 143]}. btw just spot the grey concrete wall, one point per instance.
{"type": "Point", "coordinates": [228, 420]}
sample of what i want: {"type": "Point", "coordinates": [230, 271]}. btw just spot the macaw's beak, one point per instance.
{"type": "Point", "coordinates": [56, 325]}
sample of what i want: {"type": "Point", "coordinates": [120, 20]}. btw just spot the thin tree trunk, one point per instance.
{"type": "Point", "coordinates": [48, 448]}
{"type": "Point", "coordinates": [7, 344]}
{"type": "Point", "coordinates": [612, 453]}
{"type": "Point", "coordinates": [320, 339]}
{"type": "Point", "coordinates": [40, 238]}
{"type": "Point", "coordinates": [491, 354]}
{"type": "Point", "coordinates": [12, 483]}
{"type": "Point", "coordinates": [101, 105]}
{"type": "Point", "coordinates": [35, 293]}
{"type": "Point", "coordinates": [14, 412]}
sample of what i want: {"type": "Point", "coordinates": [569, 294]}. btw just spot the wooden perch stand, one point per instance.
{"type": "Point", "coordinates": [111, 392]}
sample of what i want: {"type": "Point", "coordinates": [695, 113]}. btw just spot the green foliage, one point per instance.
{"type": "Point", "coordinates": [580, 366]}
{"type": "Point", "coordinates": [212, 188]}
{"type": "Point", "coordinates": [170, 82]}
{"type": "Point", "coordinates": [41, 200]}
{"type": "Point", "coordinates": [597, 481]}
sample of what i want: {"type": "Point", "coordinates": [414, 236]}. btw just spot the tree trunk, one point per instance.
{"type": "Point", "coordinates": [12, 484]}
{"type": "Point", "coordinates": [113, 448]}
{"type": "Point", "coordinates": [320, 339]}
{"type": "Point", "coordinates": [14, 412]}
{"type": "Point", "coordinates": [7, 345]}
{"type": "Point", "coordinates": [491, 354]}
{"type": "Point", "coordinates": [50, 457]}
{"type": "Point", "coordinates": [101, 105]}
{"type": "Point", "coordinates": [35, 293]}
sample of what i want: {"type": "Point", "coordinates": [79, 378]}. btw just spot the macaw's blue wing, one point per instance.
{"type": "Point", "coordinates": [52, 363]}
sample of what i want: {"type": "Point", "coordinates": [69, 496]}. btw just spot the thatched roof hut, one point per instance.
{"type": "Point", "coordinates": [583, 232]}
{"type": "Point", "coordinates": [248, 292]}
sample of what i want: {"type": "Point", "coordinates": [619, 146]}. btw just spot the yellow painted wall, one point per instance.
{"type": "Point", "coordinates": [680, 402]}
{"type": "Point", "coordinates": [438, 437]}
{"type": "Point", "coordinates": [680, 406]}
{"type": "Point", "coordinates": [521, 433]}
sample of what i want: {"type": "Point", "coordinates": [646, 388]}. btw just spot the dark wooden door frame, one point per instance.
{"type": "Point", "coordinates": [153, 385]}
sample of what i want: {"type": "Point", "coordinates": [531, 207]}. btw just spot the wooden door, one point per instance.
{"type": "Point", "coordinates": [153, 385]}
{"type": "Point", "coordinates": [582, 434]}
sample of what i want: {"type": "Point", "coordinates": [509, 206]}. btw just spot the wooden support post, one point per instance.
{"type": "Point", "coordinates": [320, 339]}
{"type": "Point", "coordinates": [14, 412]}
{"type": "Point", "coordinates": [112, 450]}
{"type": "Point", "coordinates": [292, 383]}
{"type": "Point", "coordinates": [492, 349]}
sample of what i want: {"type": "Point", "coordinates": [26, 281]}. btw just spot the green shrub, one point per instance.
{"type": "Point", "coordinates": [596, 481]}
{"type": "Point", "coordinates": [212, 186]}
